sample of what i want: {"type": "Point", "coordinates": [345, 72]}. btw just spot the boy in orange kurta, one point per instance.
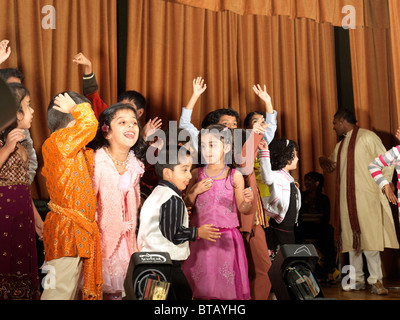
{"type": "Point", "coordinates": [70, 232]}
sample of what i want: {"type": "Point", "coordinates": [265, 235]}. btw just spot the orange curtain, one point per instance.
{"type": "Point", "coordinates": [170, 44]}
{"type": "Point", "coordinates": [394, 10]}
{"type": "Point", "coordinates": [372, 69]}
{"type": "Point", "coordinates": [45, 55]}
{"type": "Point", "coordinates": [372, 13]}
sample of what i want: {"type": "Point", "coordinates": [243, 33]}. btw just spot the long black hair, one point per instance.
{"type": "Point", "coordinates": [105, 119]}
{"type": "Point", "coordinates": [19, 92]}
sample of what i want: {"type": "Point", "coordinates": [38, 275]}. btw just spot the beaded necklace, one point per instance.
{"type": "Point", "coordinates": [205, 172]}
{"type": "Point", "coordinates": [117, 162]}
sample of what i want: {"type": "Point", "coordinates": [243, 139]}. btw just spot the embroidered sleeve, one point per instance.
{"type": "Point", "coordinates": [71, 140]}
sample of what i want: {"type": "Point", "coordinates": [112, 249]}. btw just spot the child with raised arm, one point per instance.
{"type": "Point", "coordinates": [70, 233]}
{"type": "Point", "coordinates": [164, 220]}
{"type": "Point", "coordinates": [118, 149]}
{"type": "Point", "coordinates": [227, 117]}
{"type": "Point", "coordinates": [252, 223]}
{"type": "Point", "coordinates": [19, 276]}
{"type": "Point", "coordinates": [283, 203]}
{"type": "Point", "coordinates": [136, 99]}
{"type": "Point", "coordinates": [218, 270]}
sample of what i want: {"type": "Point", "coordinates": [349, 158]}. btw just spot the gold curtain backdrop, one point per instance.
{"type": "Point", "coordinates": [287, 45]}
{"type": "Point", "coordinates": [45, 55]}
{"type": "Point", "coordinates": [294, 58]}
{"type": "Point", "coordinates": [371, 13]}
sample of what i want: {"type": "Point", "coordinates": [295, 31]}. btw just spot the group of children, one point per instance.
{"type": "Point", "coordinates": [207, 206]}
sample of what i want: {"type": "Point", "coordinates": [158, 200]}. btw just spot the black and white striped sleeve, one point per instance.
{"type": "Point", "coordinates": [171, 222]}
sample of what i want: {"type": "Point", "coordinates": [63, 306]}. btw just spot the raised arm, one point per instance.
{"type": "Point", "coordinates": [186, 117]}
{"type": "Point", "coordinates": [5, 50]}
{"type": "Point", "coordinates": [76, 137]}
{"type": "Point", "coordinates": [270, 113]}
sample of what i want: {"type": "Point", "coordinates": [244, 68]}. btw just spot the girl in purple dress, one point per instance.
{"type": "Point", "coordinates": [19, 270]}
{"type": "Point", "coordinates": [218, 270]}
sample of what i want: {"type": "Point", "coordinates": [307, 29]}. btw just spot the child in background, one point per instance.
{"type": "Point", "coordinates": [269, 134]}
{"type": "Point", "coordinates": [70, 233]}
{"type": "Point", "coordinates": [218, 270]}
{"type": "Point", "coordinates": [283, 204]}
{"type": "Point", "coordinates": [252, 223]}
{"type": "Point", "coordinates": [117, 171]}
{"type": "Point", "coordinates": [164, 220]}
{"type": "Point", "coordinates": [19, 270]}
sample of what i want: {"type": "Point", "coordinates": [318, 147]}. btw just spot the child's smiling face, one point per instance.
{"type": "Point", "coordinates": [124, 130]}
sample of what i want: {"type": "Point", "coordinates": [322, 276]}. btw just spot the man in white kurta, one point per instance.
{"type": "Point", "coordinates": [373, 209]}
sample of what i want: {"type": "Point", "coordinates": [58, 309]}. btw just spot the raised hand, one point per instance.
{"type": "Point", "coordinates": [81, 59]}
{"type": "Point", "coordinates": [199, 86]}
{"type": "Point", "coordinates": [151, 127]}
{"type": "Point", "coordinates": [5, 50]}
{"type": "Point", "coordinates": [262, 93]}
{"type": "Point", "coordinates": [64, 103]}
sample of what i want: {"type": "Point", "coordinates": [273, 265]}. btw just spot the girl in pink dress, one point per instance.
{"type": "Point", "coordinates": [218, 270]}
{"type": "Point", "coordinates": [116, 177]}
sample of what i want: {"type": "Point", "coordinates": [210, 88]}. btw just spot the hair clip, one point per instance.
{"type": "Point", "coordinates": [105, 128]}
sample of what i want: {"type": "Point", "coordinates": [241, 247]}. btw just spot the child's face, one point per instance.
{"type": "Point", "coordinates": [130, 102]}
{"type": "Point", "coordinates": [228, 121]}
{"type": "Point", "coordinates": [124, 131]}
{"type": "Point", "coordinates": [25, 119]}
{"type": "Point", "coordinates": [180, 176]}
{"type": "Point", "coordinates": [212, 149]}
{"type": "Point", "coordinates": [310, 183]}
{"type": "Point", "coordinates": [255, 118]}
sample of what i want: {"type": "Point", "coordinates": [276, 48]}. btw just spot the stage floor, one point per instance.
{"type": "Point", "coordinates": [336, 292]}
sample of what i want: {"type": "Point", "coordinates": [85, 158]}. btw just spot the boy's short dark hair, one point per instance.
{"type": "Point", "coordinates": [214, 116]}
{"type": "Point", "coordinates": [57, 120]}
{"type": "Point", "coordinates": [136, 97]}
{"type": "Point", "coordinates": [8, 73]}
{"type": "Point", "coordinates": [347, 115]}
{"type": "Point", "coordinates": [170, 157]}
